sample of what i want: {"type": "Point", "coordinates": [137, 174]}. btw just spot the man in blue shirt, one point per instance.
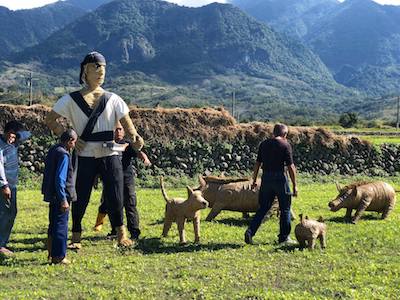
{"type": "Point", "coordinates": [9, 169]}
{"type": "Point", "coordinates": [58, 189]}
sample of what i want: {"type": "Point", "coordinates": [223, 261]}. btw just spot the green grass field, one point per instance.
{"type": "Point", "coordinates": [361, 261]}
{"type": "Point", "coordinates": [379, 140]}
{"type": "Point", "coordinates": [386, 129]}
{"type": "Point", "coordinates": [388, 135]}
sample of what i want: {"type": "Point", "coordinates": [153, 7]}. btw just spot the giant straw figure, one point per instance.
{"type": "Point", "coordinates": [94, 113]}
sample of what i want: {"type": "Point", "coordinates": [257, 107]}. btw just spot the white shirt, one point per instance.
{"type": "Point", "coordinates": [115, 109]}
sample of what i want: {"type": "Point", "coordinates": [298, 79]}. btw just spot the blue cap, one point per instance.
{"type": "Point", "coordinates": [92, 57]}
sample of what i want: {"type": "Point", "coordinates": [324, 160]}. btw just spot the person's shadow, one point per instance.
{"type": "Point", "coordinates": [370, 217]}
{"type": "Point", "coordinates": [238, 222]}
{"type": "Point", "coordinates": [32, 244]}
{"type": "Point", "coordinates": [156, 245]}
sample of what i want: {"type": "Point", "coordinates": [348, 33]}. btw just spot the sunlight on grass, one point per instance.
{"type": "Point", "coordinates": [379, 140]}
{"type": "Point", "coordinates": [361, 261]}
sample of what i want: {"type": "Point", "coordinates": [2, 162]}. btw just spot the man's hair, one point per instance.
{"type": "Point", "coordinates": [280, 130]}
{"type": "Point", "coordinates": [13, 126]}
{"type": "Point", "coordinates": [68, 135]}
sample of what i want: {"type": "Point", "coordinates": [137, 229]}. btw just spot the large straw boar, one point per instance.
{"type": "Point", "coordinates": [376, 196]}
{"type": "Point", "coordinates": [233, 195]}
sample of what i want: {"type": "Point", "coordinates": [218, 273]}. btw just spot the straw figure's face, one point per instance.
{"type": "Point", "coordinates": [95, 74]}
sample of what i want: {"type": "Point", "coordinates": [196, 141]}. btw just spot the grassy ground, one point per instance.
{"type": "Point", "coordinates": [379, 140]}
{"type": "Point", "coordinates": [361, 261]}
{"type": "Point", "coordinates": [363, 129]}
{"type": "Point", "coordinates": [386, 136]}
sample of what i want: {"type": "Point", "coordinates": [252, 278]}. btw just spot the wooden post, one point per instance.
{"type": "Point", "coordinates": [398, 113]}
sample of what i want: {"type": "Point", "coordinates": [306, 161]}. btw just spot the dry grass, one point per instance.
{"type": "Point", "coordinates": [202, 124]}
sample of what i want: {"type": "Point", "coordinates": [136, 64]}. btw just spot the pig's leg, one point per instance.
{"type": "Point", "coordinates": [302, 243]}
{"type": "Point", "coordinates": [311, 243]}
{"type": "Point", "coordinates": [214, 212]}
{"type": "Point", "coordinates": [196, 227]}
{"type": "Point", "coordinates": [181, 229]}
{"type": "Point", "coordinates": [361, 208]}
{"type": "Point", "coordinates": [388, 209]}
{"type": "Point", "coordinates": [347, 217]}
{"type": "Point", "coordinates": [167, 225]}
{"type": "Point", "coordinates": [322, 239]}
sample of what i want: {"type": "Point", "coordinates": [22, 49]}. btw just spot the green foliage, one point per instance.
{"type": "Point", "coordinates": [24, 28]}
{"type": "Point", "coordinates": [359, 262]}
{"type": "Point", "coordinates": [357, 40]}
{"type": "Point", "coordinates": [160, 53]}
{"type": "Point", "coordinates": [29, 180]}
{"type": "Point", "coordinates": [348, 119]}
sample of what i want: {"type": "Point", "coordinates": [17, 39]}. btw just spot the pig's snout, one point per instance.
{"type": "Point", "coordinates": [331, 205]}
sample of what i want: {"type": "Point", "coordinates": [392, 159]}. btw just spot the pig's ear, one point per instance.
{"type": "Point", "coordinates": [189, 190]}
{"type": "Point", "coordinates": [202, 181]}
{"type": "Point", "coordinates": [338, 187]}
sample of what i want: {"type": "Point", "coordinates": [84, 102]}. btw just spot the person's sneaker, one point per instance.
{"type": "Point", "coordinates": [288, 242]}
{"type": "Point", "coordinates": [6, 252]}
{"type": "Point", "coordinates": [74, 246]}
{"type": "Point", "coordinates": [248, 239]}
{"type": "Point", "coordinates": [60, 261]}
{"type": "Point", "coordinates": [112, 235]}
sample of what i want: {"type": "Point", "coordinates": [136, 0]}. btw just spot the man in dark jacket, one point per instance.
{"type": "Point", "coordinates": [273, 156]}
{"type": "Point", "coordinates": [130, 201]}
{"type": "Point", "coordinates": [58, 189]}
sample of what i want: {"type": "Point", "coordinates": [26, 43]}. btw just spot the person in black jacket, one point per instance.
{"type": "Point", "coordinates": [58, 189]}
{"type": "Point", "coordinates": [274, 155]}
{"type": "Point", "coordinates": [130, 200]}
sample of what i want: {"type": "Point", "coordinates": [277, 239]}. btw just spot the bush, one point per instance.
{"type": "Point", "coordinates": [349, 119]}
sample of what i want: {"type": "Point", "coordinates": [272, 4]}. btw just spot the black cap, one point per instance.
{"type": "Point", "coordinates": [92, 57]}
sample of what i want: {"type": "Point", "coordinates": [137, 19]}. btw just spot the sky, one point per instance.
{"type": "Point", "coordinates": [20, 4]}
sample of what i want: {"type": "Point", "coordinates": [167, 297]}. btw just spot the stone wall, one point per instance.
{"type": "Point", "coordinates": [206, 140]}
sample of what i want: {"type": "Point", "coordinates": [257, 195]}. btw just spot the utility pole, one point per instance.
{"type": "Point", "coordinates": [398, 113]}
{"type": "Point", "coordinates": [29, 82]}
{"type": "Point", "coordinates": [233, 103]}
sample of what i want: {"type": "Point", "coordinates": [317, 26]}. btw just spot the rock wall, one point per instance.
{"type": "Point", "coordinates": [206, 140]}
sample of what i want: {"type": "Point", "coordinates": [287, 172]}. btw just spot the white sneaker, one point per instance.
{"type": "Point", "coordinates": [288, 242]}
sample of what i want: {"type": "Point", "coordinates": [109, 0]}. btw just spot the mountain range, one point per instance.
{"type": "Point", "coordinates": [28, 27]}
{"type": "Point", "coordinates": [358, 40]}
{"type": "Point", "coordinates": [162, 53]}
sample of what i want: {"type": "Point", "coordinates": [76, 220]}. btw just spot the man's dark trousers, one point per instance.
{"type": "Point", "coordinates": [58, 230]}
{"type": "Point", "coordinates": [274, 185]}
{"type": "Point", "coordinates": [130, 202]}
{"type": "Point", "coordinates": [110, 170]}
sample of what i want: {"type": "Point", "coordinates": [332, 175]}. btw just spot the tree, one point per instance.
{"type": "Point", "coordinates": [349, 119]}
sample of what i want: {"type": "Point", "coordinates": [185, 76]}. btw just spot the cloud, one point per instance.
{"type": "Point", "coordinates": [391, 2]}
{"type": "Point", "coordinates": [23, 4]}
{"type": "Point", "coordinates": [195, 3]}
